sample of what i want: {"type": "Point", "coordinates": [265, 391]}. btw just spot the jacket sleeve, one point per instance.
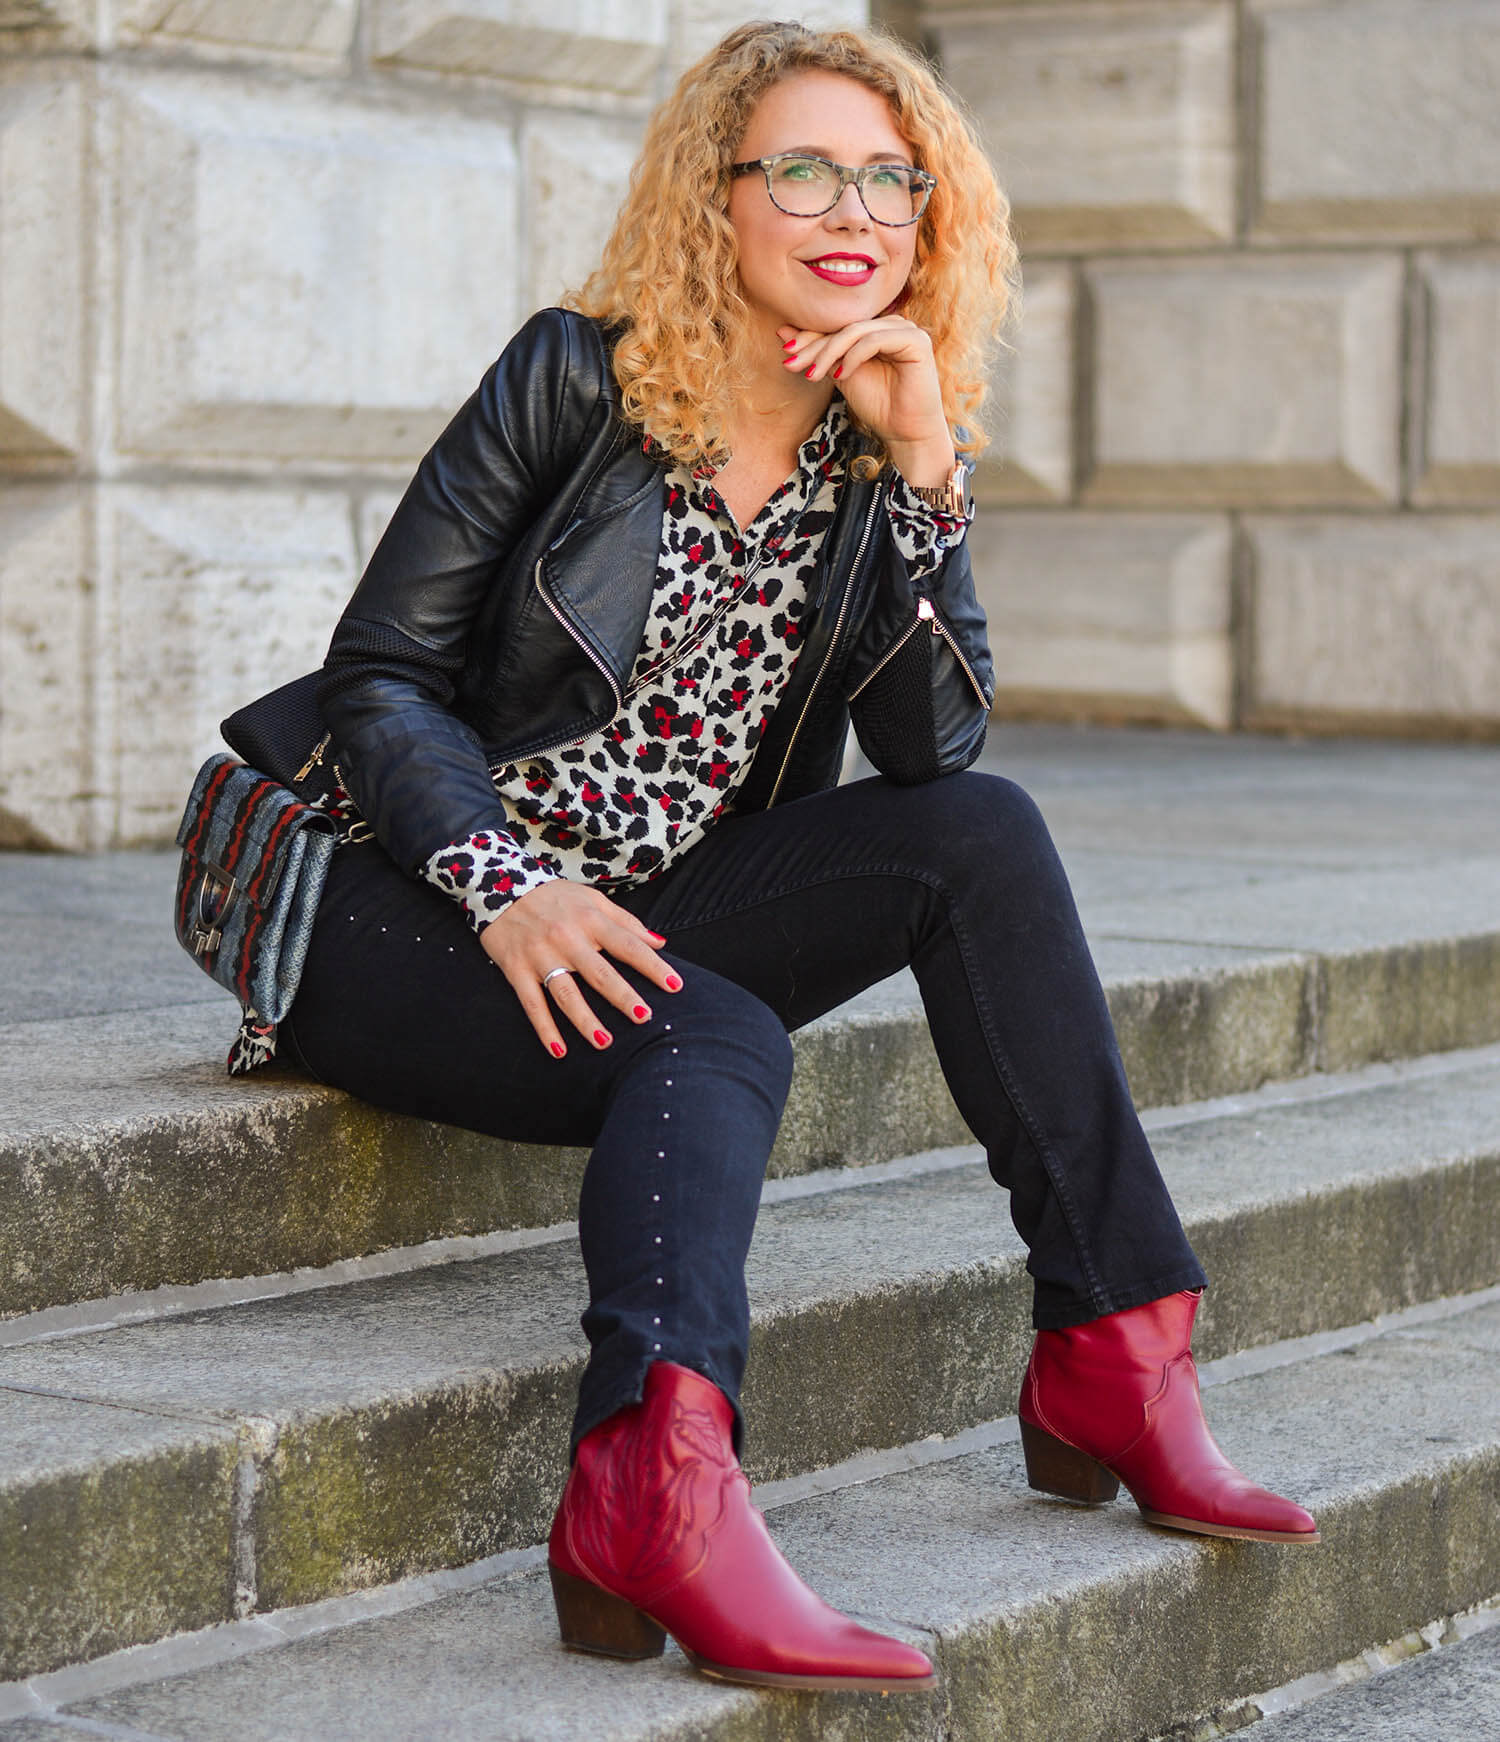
{"type": "Point", "coordinates": [416, 771]}
{"type": "Point", "coordinates": [920, 680]}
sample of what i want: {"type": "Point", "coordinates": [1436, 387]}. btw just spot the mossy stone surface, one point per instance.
{"type": "Point", "coordinates": [115, 1528]}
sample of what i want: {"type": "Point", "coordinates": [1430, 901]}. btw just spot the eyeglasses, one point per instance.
{"type": "Point", "coordinates": [805, 187]}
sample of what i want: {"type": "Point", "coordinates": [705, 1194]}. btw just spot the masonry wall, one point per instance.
{"type": "Point", "coordinates": [253, 253]}
{"type": "Point", "coordinates": [1249, 470]}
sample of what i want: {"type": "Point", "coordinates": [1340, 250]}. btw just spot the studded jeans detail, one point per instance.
{"type": "Point", "coordinates": [773, 919]}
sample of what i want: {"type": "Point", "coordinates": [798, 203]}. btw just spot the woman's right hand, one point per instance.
{"type": "Point", "coordinates": [574, 926]}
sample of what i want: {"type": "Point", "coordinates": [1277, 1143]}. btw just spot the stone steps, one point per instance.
{"type": "Point", "coordinates": [260, 1346]}
{"type": "Point", "coordinates": [141, 1166]}
{"type": "Point", "coordinates": [1452, 1692]}
{"type": "Point", "coordinates": [1045, 1620]}
{"type": "Point", "coordinates": [1259, 911]}
{"type": "Point", "coordinates": [181, 1470]}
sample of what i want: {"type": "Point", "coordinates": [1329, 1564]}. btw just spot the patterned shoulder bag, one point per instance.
{"type": "Point", "coordinates": [255, 856]}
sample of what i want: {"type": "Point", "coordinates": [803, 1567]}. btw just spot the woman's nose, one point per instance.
{"type": "Point", "coordinates": [847, 208]}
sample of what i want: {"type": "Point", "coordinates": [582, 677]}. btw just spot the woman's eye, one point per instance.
{"type": "Point", "coordinates": [800, 170]}
{"type": "Point", "coordinates": [891, 177]}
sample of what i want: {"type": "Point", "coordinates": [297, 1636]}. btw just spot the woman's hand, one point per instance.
{"type": "Point", "coordinates": [888, 376]}
{"type": "Point", "coordinates": [572, 926]}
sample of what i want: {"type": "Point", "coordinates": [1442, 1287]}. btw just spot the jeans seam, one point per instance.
{"type": "Point", "coordinates": [657, 1169]}
{"type": "Point", "coordinates": [286, 1023]}
{"type": "Point", "coordinates": [1003, 1071]}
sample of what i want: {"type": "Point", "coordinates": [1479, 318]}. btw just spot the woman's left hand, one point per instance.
{"type": "Point", "coordinates": [888, 376]}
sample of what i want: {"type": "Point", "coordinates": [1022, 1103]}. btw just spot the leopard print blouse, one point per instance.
{"type": "Point", "coordinates": [722, 637]}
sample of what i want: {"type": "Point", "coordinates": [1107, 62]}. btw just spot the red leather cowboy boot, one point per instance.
{"type": "Point", "coordinates": [656, 1535]}
{"type": "Point", "coordinates": [1116, 1400]}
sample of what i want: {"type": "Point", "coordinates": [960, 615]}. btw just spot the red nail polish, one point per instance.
{"type": "Point", "coordinates": [673, 983]}
{"type": "Point", "coordinates": [809, 372]}
{"type": "Point", "coordinates": [640, 1013]}
{"type": "Point", "coordinates": [600, 1037]}
{"type": "Point", "coordinates": [558, 1049]}
{"type": "Point", "coordinates": [839, 371]}
{"type": "Point", "coordinates": [659, 938]}
{"type": "Point", "coordinates": [789, 344]}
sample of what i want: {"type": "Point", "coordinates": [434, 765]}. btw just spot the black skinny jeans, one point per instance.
{"type": "Point", "coordinates": [771, 920]}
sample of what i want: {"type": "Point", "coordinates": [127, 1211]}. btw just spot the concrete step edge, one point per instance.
{"type": "Point", "coordinates": [1431, 1681]}
{"type": "Point", "coordinates": [251, 1502]}
{"type": "Point", "coordinates": [269, 1177]}
{"type": "Point", "coordinates": [137, 1306]}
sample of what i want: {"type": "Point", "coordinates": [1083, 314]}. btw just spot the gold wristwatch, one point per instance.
{"type": "Point", "coordinates": [952, 497]}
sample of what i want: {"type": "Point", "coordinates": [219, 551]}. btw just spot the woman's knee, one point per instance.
{"type": "Point", "coordinates": [719, 1024]}
{"type": "Point", "coordinates": [973, 815]}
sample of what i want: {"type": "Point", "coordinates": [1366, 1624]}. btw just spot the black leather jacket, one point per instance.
{"type": "Point", "coordinates": [504, 607]}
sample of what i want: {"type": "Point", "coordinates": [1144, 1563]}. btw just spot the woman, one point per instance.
{"type": "Point", "coordinates": [591, 697]}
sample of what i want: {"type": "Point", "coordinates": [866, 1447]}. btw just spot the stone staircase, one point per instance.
{"type": "Point", "coordinates": [284, 1383]}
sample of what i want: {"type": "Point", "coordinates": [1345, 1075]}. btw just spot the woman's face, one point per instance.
{"type": "Point", "coordinates": [819, 274]}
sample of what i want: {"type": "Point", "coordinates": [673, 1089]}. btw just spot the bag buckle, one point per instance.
{"type": "Point", "coordinates": [218, 890]}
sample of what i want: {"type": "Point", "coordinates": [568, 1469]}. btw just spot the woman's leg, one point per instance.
{"type": "Point", "coordinates": [960, 879]}
{"type": "Point", "coordinates": [655, 1532]}
{"type": "Point", "coordinates": [808, 904]}
{"type": "Point", "coordinates": [399, 1005]}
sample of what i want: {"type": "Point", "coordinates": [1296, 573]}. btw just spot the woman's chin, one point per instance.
{"type": "Point", "coordinates": [833, 306]}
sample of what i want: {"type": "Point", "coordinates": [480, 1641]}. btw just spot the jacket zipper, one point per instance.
{"type": "Point", "coordinates": [315, 760]}
{"type": "Point", "coordinates": [926, 613]}
{"type": "Point", "coordinates": [939, 628]}
{"type": "Point", "coordinates": [594, 660]}
{"type": "Point", "coordinates": [833, 641]}
{"type": "Point", "coordinates": [924, 610]}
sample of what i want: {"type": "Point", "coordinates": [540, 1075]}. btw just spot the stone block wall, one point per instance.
{"type": "Point", "coordinates": [1248, 471]}
{"type": "Point", "coordinates": [253, 253]}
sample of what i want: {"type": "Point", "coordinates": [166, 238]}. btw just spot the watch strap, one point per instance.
{"type": "Point", "coordinates": [951, 497]}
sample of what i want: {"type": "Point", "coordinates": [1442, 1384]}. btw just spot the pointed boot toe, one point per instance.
{"type": "Point", "coordinates": [1212, 1499]}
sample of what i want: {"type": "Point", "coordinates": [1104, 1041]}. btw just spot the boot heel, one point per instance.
{"type": "Point", "coordinates": [592, 1619]}
{"type": "Point", "coordinates": [1055, 1467]}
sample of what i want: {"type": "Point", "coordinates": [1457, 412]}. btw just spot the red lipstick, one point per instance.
{"type": "Point", "coordinates": [844, 275]}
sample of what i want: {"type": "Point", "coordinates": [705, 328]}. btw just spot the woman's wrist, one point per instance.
{"type": "Point", "coordinates": [927, 464]}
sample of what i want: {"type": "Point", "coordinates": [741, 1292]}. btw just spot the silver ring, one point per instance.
{"type": "Point", "coordinates": [553, 975]}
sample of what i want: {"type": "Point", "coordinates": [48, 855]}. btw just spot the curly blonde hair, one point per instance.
{"type": "Point", "coordinates": [668, 279]}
